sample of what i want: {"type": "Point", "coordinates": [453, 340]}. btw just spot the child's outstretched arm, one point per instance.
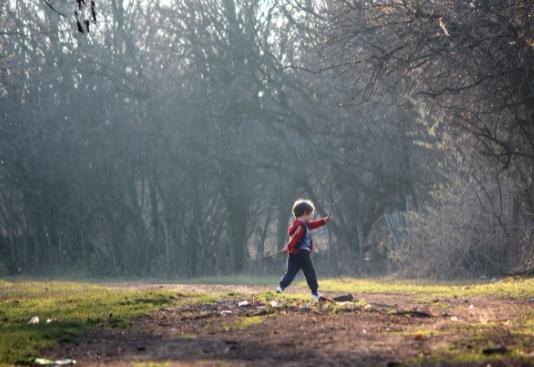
{"type": "Point", "coordinates": [313, 224]}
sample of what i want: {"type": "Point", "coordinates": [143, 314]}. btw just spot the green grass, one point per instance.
{"type": "Point", "coordinates": [517, 336]}
{"type": "Point", "coordinates": [502, 288]}
{"type": "Point", "coordinates": [221, 280]}
{"type": "Point", "coordinates": [76, 307]}
{"type": "Point", "coordinates": [243, 323]}
{"type": "Point", "coordinates": [284, 298]}
{"type": "Point", "coordinates": [515, 288]}
{"type": "Point", "coordinates": [72, 307]}
{"type": "Point", "coordinates": [512, 358]}
{"type": "Point", "coordinates": [458, 354]}
{"type": "Point", "coordinates": [205, 298]}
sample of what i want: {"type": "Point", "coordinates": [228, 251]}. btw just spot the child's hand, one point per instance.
{"type": "Point", "coordinates": [327, 219]}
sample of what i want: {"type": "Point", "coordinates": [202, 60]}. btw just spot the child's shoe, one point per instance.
{"type": "Point", "coordinates": [316, 296]}
{"type": "Point", "coordinates": [279, 289]}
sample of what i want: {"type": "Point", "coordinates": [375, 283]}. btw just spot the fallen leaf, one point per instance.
{"type": "Point", "coordinates": [418, 336]}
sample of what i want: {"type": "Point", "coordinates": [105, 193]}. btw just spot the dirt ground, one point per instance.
{"type": "Point", "coordinates": [379, 330]}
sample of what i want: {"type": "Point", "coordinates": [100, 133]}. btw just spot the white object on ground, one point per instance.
{"type": "Point", "coordinates": [48, 362]}
{"type": "Point", "coordinates": [34, 320]}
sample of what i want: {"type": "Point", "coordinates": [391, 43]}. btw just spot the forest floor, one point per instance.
{"type": "Point", "coordinates": [389, 323]}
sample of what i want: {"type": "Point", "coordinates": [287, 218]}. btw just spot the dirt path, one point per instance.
{"type": "Point", "coordinates": [385, 330]}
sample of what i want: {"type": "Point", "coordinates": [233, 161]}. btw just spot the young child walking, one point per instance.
{"type": "Point", "coordinates": [300, 246]}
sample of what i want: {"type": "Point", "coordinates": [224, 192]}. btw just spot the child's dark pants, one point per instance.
{"type": "Point", "coordinates": [294, 264]}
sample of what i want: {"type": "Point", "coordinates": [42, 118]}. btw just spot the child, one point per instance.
{"type": "Point", "coordinates": [300, 246]}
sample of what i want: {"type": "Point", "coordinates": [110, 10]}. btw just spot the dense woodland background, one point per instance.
{"type": "Point", "coordinates": [172, 138]}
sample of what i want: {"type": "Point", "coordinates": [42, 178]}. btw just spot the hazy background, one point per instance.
{"type": "Point", "coordinates": [173, 137]}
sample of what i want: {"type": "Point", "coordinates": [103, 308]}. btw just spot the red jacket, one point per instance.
{"type": "Point", "coordinates": [296, 230]}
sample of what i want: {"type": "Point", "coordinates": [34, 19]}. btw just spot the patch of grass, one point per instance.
{"type": "Point", "coordinates": [76, 307]}
{"type": "Point", "coordinates": [243, 323]}
{"type": "Point", "coordinates": [235, 294]}
{"type": "Point", "coordinates": [468, 348]}
{"type": "Point", "coordinates": [513, 357]}
{"type": "Point", "coordinates": [467, 358]}
{"type": "Point", "coordinates": [186, 336]}
{"type": "Point", "coordinates": [340, 308]}
{"type": "Point", "coordinates": [249, 321]}
{"type": "Point", "coordinates": [71, 307]}
{"type": "Point", "coordinates": [152, 364]}
{"type": "Point", "coordinates": [206, 298]}
{"type": "Point", "coordinates": [515, 288]}
{"type": "Point", "coordinates": [525, 325]}
{"type": "Point", "coordinates": [210, 363]}
{"type": "Point", "coordinates": [281, 298]}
